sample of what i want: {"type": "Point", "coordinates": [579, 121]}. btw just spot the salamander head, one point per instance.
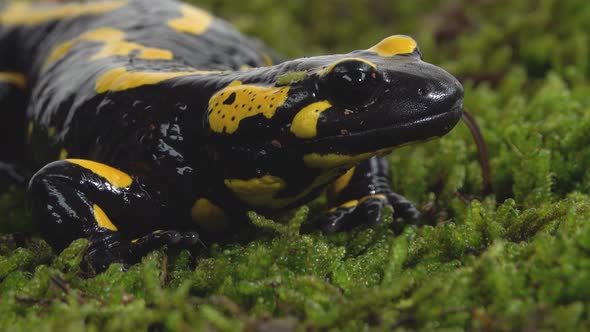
{"type": "Point", "coordinates": [336, 110]}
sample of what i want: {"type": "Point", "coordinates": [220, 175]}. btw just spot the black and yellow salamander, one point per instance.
{"type": "Point", "coordinates": [154, 121]}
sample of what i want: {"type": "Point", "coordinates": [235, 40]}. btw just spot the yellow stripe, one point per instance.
{"type": "Point", "coordinates": [194, 21]}
{"type": "Point", "coordinates": [355, 202]}
{"type": "Point", "coordinates": [346, 205]}
{"type": "Point", "coordinates": [114, 44]}
{"type": "Point", "coordinates": [392, 45]}
{"type": "Point", "coordinates": [208, 215]}
{"type": "Point", "coordinates": [102, 219]}
{"type": "Point", "coordinates": [63, 154]}
{"type": "Point", "coordinates": [30, 128]}
{"type": "Point", "coordinates": [332, 160]}
{"type": "Point", "coordinates": [342, 182]}
{"type": "Point", "coordinates": [350, 204]}
{"type": "Point", "coordinates": [256, 186]}
{"type": "Point", "coordinates": [17, 79]}
{"type": "Point", "coordinates": [119, 79]}
{"type": "Point", "coordinates": [114, 176]}
{"type": "Point", "coordinates": [26, 14]}
{"type": "Point", "coordinates": [267, 59]}
{"type": "Point", "coordinates": [378, 196]}
{"type": "Point", "coordinates": [256, 191]}
{"type": "Point", "coordinates": [306, 121]}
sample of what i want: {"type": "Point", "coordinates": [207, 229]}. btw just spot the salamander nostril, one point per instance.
{"type": "Point", "coordinates": [458, 105]}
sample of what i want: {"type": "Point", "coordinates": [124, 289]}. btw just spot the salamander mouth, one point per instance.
{"type": "Point", "coordinates": [391, 136]}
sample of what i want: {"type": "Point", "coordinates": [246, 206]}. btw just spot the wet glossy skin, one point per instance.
{"type": "Point", "coordinates": [183, 135]}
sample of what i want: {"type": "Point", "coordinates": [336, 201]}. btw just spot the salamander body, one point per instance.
{"type": "Point", "coordinates": [153, 120]}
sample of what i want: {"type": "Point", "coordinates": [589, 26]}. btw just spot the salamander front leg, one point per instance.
{"type": "Point", "coordinates": [76, 198]}
{"type": "Point", "coordinates": [141, 246]}
{"type": "Point", "coordinates": [113, 248]}
{"type": "Point", "coordinates": [360, 195]}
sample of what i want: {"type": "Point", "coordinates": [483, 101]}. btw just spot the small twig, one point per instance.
{"type": "Point", "coordinates": [482, 151]}
{"type": "Point", "coordinates": [164, 271]}
{"type": "Point", "coordinates": [406, 321]}
{"type": "Point", "coordinates": [227, 303]}
{"type": "Point", "coordinates": [62, 284]}
{"type": "Point", "coordinates": [28, 300]}
{"type": "Point", "coordinates": [94, 297]}
{"type": "Point", "coordinates": [202, 244]}
{"type": "Point", "coordinates": [54, 291]}
{"type": "Point", "coordinates": [20, 239]}
{"type": "Point", "coordinates": [411, 320]}
{"type": "Point", "coordinates": [486, 322]}
{"type": "Point", "coordinates": [461, 197]}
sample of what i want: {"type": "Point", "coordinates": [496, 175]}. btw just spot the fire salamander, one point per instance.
{"type": "Point", "coordinates": [150, 122]}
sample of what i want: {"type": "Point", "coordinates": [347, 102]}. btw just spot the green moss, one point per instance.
{"type": "Point", "coordinates": [516, 259]}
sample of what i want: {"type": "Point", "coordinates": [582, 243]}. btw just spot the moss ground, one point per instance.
{"type": "Point", "coordinates": [516, 259]}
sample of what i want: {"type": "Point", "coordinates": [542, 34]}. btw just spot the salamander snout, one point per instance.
{"type": "Point", "coordinates": [439, 90]}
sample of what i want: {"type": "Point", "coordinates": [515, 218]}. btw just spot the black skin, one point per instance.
{"type": "Point", "coordinates": [11, 100]}
{"type": "Point", "coordinates": [162, 135]}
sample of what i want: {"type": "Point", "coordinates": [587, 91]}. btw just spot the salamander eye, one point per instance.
{"type": "Point", "coordinates": [352, 82]}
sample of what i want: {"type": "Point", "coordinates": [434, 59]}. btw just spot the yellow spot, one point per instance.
{"type": "Point", "coordinates": [257, 191]}
{"type": "Point", "coordinates": [208, 215]}
{"type": "Point", "coordinates": [20, 13]}
{"type": "Point", "coordinates": [58, 52]}
{"type": "Point", "coordinates": [331, 67]}
{"type": "Point", "coordinates": [378, 196]}
{"type": "Point", "coordinates": [102, 219]}
{"type": "Point", "coordinates": [341, 182]}
{"type": "Point", "coordinates": [114, 176]}
{"type": "Point", "coordinates": [345, 205]}
{"type": "Point", "coordinates": [238, 101]}
{"type": "Point", "coordinates": [332, 160]}
{"type": "Point", "coordinates": [261, 192]}
{"type": "Point", "coordinates": [350, 204]}
{"type": "Point", "coordinates": [63, 154]}
{"type": "Point", "coordinates": [30, 128]}
{"type": "Point", "coordinates": [267, 59]}
{"type": "Point", "coordinates": [119, 79]}
{"type": "Point", "coordinates": [51, 131]}
{"type": "Point", "coordinates": [355, 202]}
{"type": "Point", "coordinates": [306, 121]}
{"type": "Point", "coordinates": [17, 79]}
{"type": "Point", "coordinates": [134, 241]}
{"type": "Point", "coordinates": [392, 45]}
{"type": "Point", "coordinates": [194, 21]}
{"type": "Point", "coordinates": [114, 44]}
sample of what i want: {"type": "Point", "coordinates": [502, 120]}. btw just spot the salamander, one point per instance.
{"type": "Point", "coordinates": [151, 123]}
